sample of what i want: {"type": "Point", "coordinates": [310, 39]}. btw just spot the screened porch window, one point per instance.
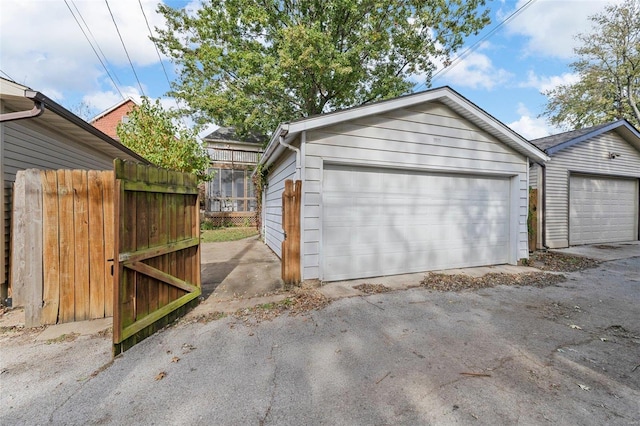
{"type": "Point", "coordinates": [231, 190]}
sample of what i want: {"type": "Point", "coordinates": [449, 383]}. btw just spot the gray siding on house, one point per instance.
{"type": "Point", "coordinates": [284, 169]}
{"type": "Point", "coordinates": [25, 144]}
{"type": "Point", "coordinates": [588, 157]}
{"type": "Point", "coordinates": [428, 137]}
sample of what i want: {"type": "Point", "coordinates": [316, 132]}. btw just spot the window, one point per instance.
{"type": "Point", "coordinates": [231, 190]}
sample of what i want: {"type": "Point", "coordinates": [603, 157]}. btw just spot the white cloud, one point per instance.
{"type": "Point", "coordinates": [545, 83]}
{"type": "Point", "coordinates": [44, 48]}
{"type": "Point", "coordinates": [476, 71]}
{"type": "Point", "coordinates": [551, 25]}
{"type": "Point", "coordinates": [531, 127]}
{"type": "Point", "coordinates": [103, 100]}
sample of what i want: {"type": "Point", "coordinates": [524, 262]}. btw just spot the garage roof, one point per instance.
{"type": "Point", "coordinates": [445, 94]}
{"type": "Point", "coordinates": [17, 97]}
{"type": "Point", "coordinates": [555, 143]}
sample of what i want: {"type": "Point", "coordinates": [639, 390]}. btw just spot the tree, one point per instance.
{"type": "Point", "coordinates": [609, 72]}
{"type": "Point", "coordinates": [252, 64]}
{"type": "Point", "coordinates": [150, 132]}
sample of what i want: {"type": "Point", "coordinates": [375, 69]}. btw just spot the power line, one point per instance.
{"type": "Point", "coordinates": [154, 45]}
{"type": "Point", "coordinates": [159, 57]}
{"type": "Point", "coordinates": [476, 45]}
{"type": "Point", "coordinates": [8, 76]}
{"type": "Point", "coordinates": [124, 47]}
{"type": "Point", "coordinates": [93, 48]}
{"type": "Point", "coordinates": [95, 40]}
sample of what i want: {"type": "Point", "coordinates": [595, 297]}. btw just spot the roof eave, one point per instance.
{"type": "Point", "coordinates": [450, 97]}
{"type": "Point", "coordinates": [69, 116]}
{"type": "Point", "coordinates": [613, 126]}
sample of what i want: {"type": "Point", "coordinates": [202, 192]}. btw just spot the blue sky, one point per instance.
{"type": "Point", "coordinates": [42, 46]}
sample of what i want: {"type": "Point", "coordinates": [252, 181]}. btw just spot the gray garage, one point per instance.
{"type": "Point", "coordinates": [589, 190]}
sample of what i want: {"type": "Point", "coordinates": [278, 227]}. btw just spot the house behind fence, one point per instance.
{"type": "Point", "coordinates": [230, 197]}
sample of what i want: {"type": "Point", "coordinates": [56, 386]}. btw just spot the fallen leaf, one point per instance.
{"type": "Point", "coordinates": [575, 327]}
{"type": "Point", "coordinates": [161, 375]}
{"type": "Point", "coordinates": [584, 387]}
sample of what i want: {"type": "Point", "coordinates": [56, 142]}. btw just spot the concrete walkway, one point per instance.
{"type": "Point", "coordinates": [605, 252]}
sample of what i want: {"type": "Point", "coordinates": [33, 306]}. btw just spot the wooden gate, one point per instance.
{"type": "Point", "coordinates": [157, 262]}
{"type": "Point", "coordinates": [291, 226]}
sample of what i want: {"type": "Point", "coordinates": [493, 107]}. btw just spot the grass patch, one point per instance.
{"type": "Point", "coordinates": [227, 234]}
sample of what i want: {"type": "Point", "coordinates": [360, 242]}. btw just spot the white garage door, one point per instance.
{"type": "Point", "coordinates": [602, 210]}
{"type": "Point", "coordinates": [383, 222]}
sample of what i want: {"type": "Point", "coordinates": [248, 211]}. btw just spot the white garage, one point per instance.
{"type": "Point", "coordinates": [423, 182]}
{"type": "Point", "coordinates": [588, 191]}
{"type": "Point", "coordinates": [602, 210]}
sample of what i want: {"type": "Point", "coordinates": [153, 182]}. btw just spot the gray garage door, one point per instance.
{"type": "Point", "coordinates": [382, 222]}
{"type": "Point", "coordinates": [602, 210]}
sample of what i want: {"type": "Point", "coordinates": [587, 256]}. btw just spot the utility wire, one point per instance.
{"type": "Point", "coordinates": [154, 45]}
{"type": "Point", "coordinates": [94, 49]}
{"type": "Point", "coordinates": [95, 40]}
{"type": "Point", "coordinates": [8, 76]}
{"type": "Point", "coordinates": [477, 44]}
{"type": "Point", "coordinates": [124, 47]}
{"type": "Point", "coordinates": [159, 57]}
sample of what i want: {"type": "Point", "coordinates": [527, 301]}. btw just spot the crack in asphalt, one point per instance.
{"type": "Point", "coordinates": [262, 421]}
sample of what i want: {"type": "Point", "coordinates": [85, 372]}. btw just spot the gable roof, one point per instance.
{"type": "Point", "coordinates": [555, 143]}
{"type": "Point", "coordinates": [113, 108]}
{"type": "Point", "coordinates": [20, 98]}
{"type": "Point", "coordinates": [228, 134]}
{"type": "Point", "coordinates": [445, 95]}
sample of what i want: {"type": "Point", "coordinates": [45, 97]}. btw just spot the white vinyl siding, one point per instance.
{"type": "Point", "coordinates": [533, 176]}
{"type": "Point", "coordinates": [385, 222]}
{"type": "Point", "coordinates": [281, 171]}
{"type": "Point", "coordinates": [428, 137]}
{"type": "Point", "coordinates": [587, 157]}
{"type": "Point", "coordinates": [602, 210]}
{"type": "Point", "coordinates": [28, 145]}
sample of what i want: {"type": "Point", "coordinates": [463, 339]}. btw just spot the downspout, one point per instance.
{"type": "Point", "coordinates": [283, 133]}
{"type": "Point", "coordinates": [544, 207]}
{"type": "Point", "coordinates": [37, 110]}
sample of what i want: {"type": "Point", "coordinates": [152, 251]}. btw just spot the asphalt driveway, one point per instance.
{"type": "Point", "coordinates": [565, 354]}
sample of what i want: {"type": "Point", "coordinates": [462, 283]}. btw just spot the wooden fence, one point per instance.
{"type": "Point", "coordinates": [62, 245]}
{"type": "Point", "coordinates": [291, 197]}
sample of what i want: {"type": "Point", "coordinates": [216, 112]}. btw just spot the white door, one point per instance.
{"type": "Point", "coordinates": [382, 222]}
{"type": "Point", "coordinates": [602, 210]}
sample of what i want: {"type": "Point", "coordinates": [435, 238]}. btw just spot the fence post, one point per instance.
{"type": "Point", "coordinates": [17, 263]}
{"type": "Point", "coordinates": [532, 220]}
{"type": "Point", "coordinates": [33, 250]}
{"type": "Point", "coordinates": [291, 198]}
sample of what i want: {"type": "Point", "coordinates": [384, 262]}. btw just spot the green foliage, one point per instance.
{"type": "Point", "coordinates": [252, 64]}
{"type": "Point", "coordinates": [207, 225]}
{"type": "Point", "coordinates": [609, 72]}
{"type": "Point", "coordinates": [151, 133]}
{"type": "Point", "coordinates": [227, 234]}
